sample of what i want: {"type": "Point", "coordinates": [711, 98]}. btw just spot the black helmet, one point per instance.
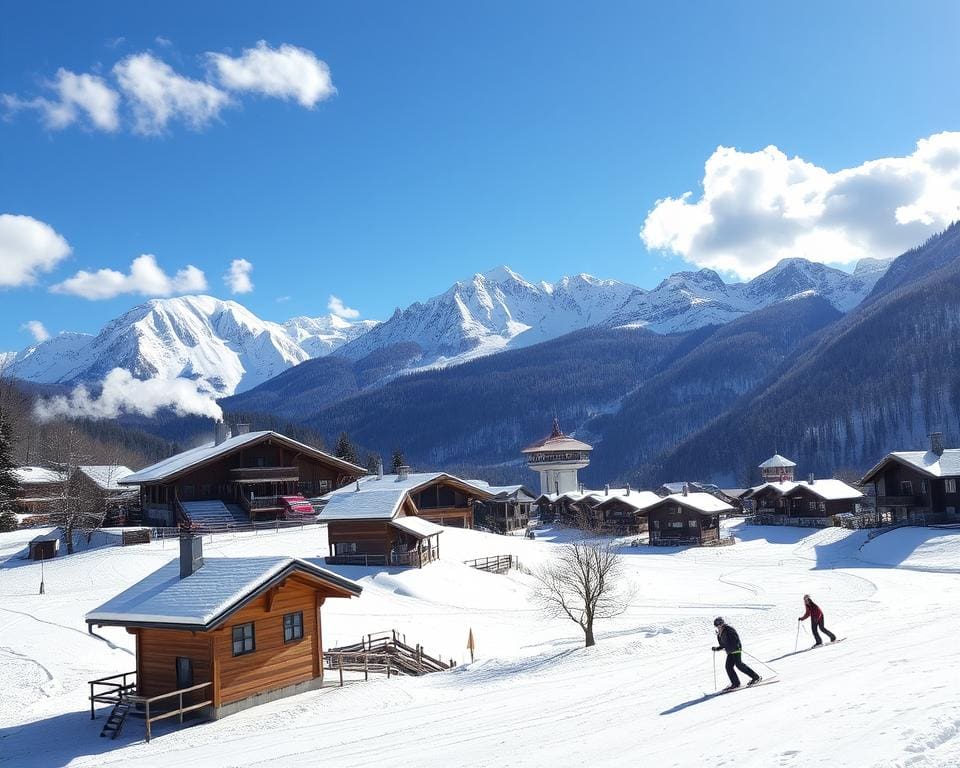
{"type": "Point", "coordinates": [718, 621]}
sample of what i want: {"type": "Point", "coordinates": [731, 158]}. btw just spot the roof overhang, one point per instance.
{"type": "Point", "coordinates": [880, 465]}
{"type": "Point", "coordinates": [328, 579]}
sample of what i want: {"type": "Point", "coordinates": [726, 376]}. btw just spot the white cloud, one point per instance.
{"type": "Point", "coordinates": [759, 207]}
{"type": "Point", "coordinates": [157, 95]}
{"type": "Point", "coordinates": [287, 72]}
{"type": "Point", "coordinates": [27, 248]}
{"type": "Point", "coordinates": [237, 277]}
{"type": "Point", "coordinates": [76, 97]}
{"type": "Point", "coordinates": [337, 307]}
{"type": "Point", "coordinates": [36, 329]}
{"type": "Point", "coordinates": [145, 277]}
{"type": "Point", "coordinates": [121, 393]}
{"type": "Point", "coordinates": [163, 42]}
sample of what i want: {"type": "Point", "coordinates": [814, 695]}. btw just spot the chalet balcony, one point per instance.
{"type": "Point", "coordinates": [265, 474]}
{"type": "Point", "coordinates": [900, 501]}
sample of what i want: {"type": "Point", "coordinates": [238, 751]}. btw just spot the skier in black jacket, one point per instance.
{"type": "Point", "coordinates": [730, 642]}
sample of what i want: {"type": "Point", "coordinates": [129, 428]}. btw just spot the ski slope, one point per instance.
{"type": "Point", "coordinates": [884, 697]}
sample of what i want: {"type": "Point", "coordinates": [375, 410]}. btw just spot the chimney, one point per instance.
{"type": "Point", "coordinates": [358, 485]}
{"type": "Point", "coordinates": [685, 489]}
{"type": "Point", "coordinates": [402, 471]}
{"type": "Point", "coordinates": [219, 432]}
{"type": "Point", "coordinates": [936, 443]}
{"type": "Point", "coordinates": [810, 479]}
{"type": "Point", "coordinates": [628, 490]}
{"type": "Point", "coordinates": [606, 489]}
{"type": "Point", "coordinates": [379, 469]}
{"type": "Point", "coordinates": [191, 554]}
{"type": "Point", "coordinates": [241, 429]}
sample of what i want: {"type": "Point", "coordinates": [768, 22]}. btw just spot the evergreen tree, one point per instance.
{"type": "Point", "coordinates": [398, 460]}
{"type": "Point", "coordinates": [372, 463]}
{"type": "Point", "coordinates": [345, 449]}
{"type": "Point", "coordinates": [9, 486]}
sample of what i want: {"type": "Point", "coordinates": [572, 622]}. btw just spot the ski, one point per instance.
{"type": "Point", "coordinates": [824, 645]}
{"type": "Point", "coordinates": [744, 687]}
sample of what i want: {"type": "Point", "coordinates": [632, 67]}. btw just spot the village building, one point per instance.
{"type": "Point", "coordinates": [776, 469]}
{"type": "Point", "coordinates": [687, 518]}
{"type": "Point", "coordinates": [624, 513]}
{"type": "Point", "coordinates": [810, 503]}
{"type": "Point", "coordinates": [918, 487]}
{"type": "Point", "coordinates": [509, 507]}
{"type": "Point", "coordinates": [40, 489]}
{"type": "Point", "coordinates": [217, 635]}
{"type": "Point", "coordinates": [397, 519]}
{"type": "Point", "coordinates": [557, 459]}
{"type": "Point", "coordinates": [236, 479]}
{"type": "Point", "coordinates": [729, 496]}
{"type": "Point", "coordinates": [103, 483]}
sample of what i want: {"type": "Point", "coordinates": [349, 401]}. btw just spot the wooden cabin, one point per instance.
{"type": "Point", "coordinates": [378, 526]}
{"type": "Point", "coordinates": [41, 488]}
{"type": "Point", "coordinates": [218, 635]}
{"type": "Point", "coordinates": [686, 519]}
{"type": "Point", "coordinates": [236, 479]}
{"type": "Point", "coordinates": [918, 487]}
{"type": "Point", "coordinates": [811, 503]}
{"type": "Point", "coordinates": [509, 507]}
{"type": "Point", "coordinates": [44, 547]}
{"type": "Point", "coordinates": [625, 514]}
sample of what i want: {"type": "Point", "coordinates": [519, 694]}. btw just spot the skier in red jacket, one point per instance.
{"type": "Point", "coordinates": [816, 621]}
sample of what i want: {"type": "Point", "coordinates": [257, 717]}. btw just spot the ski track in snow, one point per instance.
{"type": "Point", "coordinates": [534, 696]}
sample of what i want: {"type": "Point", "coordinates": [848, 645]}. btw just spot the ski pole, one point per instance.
{"type": "Point", "coordinates": [714, 654]}
{"type": "Point", "coordinates": [762, 663]}
{"type": "Point", "coordinates": [796, 642]}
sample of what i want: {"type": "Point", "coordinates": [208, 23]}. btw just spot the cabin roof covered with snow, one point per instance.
{"type": "Point", "coordinates": [828, 489]}
{"type": "Point", "coordinates": [412, 483]}
{"type": "Point", "coordinates": [637, 500]}
{"type": "Point", "coordinates": [107, 477]}
{"type": "Point", "coordinates": [31, 475]}
{"type": "Point", "coordinates": [365, 504]}
{"type": "Point", "coordinates": [777, 461]}
{"type": "Point", "coordinates": [946, 464]}
{"type": "Point", "coordinates": [188, 460]}
{"type": "Point", "coordinates": [210, 595]}
{"type": "Point", "coordinates": [506, 491]}
{"type": "Point", "coordinates": [417, 526]}
{"type": "Point", "coordinates": [704, 503]}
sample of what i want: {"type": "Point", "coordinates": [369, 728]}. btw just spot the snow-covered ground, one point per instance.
{"type": "Point", "coordinates": [886, 696]}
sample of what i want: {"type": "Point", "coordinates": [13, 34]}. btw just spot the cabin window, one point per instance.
{"type": "Point", "coordinates": [345, 548]}
{"type": "Point", "coordinates": [243, 640]}
{"type": "Point", "coordinates": [906, 487]}
{"type": "Point", "coordinates": [692, 523]}
{"type": "Point", "coordinates": [261, 462]}
{"type": "Point", "coordinates": [676, 523]}
{"type": "Point", "coordinates": [656, 525]}
{"type": "Point", "coordinates": [950, 486]}
{"type": "Point", "coordinates": [812, 506]}
{"type": "Point", "coordinates": [292, 626]}
{"type": "Point", "coordinates": [823, 506]}
{"type": "Point", "coordinates": [923, 486]}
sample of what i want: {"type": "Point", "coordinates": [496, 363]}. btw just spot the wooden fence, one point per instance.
{"type": "Point", "coordinates": [494, 564]}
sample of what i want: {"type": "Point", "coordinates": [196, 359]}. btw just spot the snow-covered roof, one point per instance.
{"type": "Point", "coordinates": [29, 475]}
{"type": "Point", "coordinates": [209, 595]}
{"type": "Point", "coordinates": [107, 477]}
{"type": "Point", "coordinates": [412, 482]}
{"type": "Point", "coordinates": [946, 464]}
{"type": "Point", "coordinates": [705, 503]}
{"type": "Point", "coordinates": [827, 489]}
{"type": "Point", "coordinates": [638, 500]}
{"type": "Point", "coordinates": [509, 490]}
{"type": "Point", "coordinates": [777, 461]}
{"type": "Point", "coordinates": [183, 461]}
{"type": "Point", "coordinates": [417, 526]}
{"type": "Point", "coordinates": [365, 504]}
{"type": "Point", "coordinates": [560, 443]}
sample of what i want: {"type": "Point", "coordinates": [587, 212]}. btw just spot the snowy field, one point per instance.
{"type": "Point", "coordinates": [887, 696]}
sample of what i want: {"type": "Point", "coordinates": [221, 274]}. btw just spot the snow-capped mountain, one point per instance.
{"type": "Point", "coordinates": [220, 344]}
{"type": "Point", "coordinates": [319, 336]}
{"type": "Point", "coordinates": [228, 349]}
{"type": "Point", "coordinates": [688, 300]}
{"type": "Point", "coordinates": [490, 312]}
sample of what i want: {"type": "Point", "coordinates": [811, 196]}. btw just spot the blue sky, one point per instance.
{"type": "Point", "coordinates": [462, 136]}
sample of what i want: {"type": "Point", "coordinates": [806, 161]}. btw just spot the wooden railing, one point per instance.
{"type": "Point", "coordinates": [365, 560]}
{"type": "Point", "coordinates": [386, 652]}
{"type": "Point", "coordinates": [265, 474]}
{"type": "Point", "coordinates": [120, 687]}
{"type": "Point", "coordinates": [178, 712]}
{"type": "Point", "coordinates": [494, 564]}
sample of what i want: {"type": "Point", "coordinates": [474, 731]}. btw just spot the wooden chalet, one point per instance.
{"type": "Point", "coordinates": [245, 477]}
{"type": "Point", "coordinates": [40, 489]}
{"type": "Point", "coordinates": [812, 503]}
{"type": "Point", "coordinates": [687, 519]}
{"type": "Point", "coordinates": [103, 482]}
{"type": "Point", "coordinates": [625, 513]}
{"type": "Point", "coordinates": [509, 508]}
{"type": "Point", "coordinates": [217, 635]}
{"type": "Point", "coordinates": [918, 487]}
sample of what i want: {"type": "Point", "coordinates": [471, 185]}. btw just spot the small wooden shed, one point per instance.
{"type": "Point", "coordinates": [44, 547]}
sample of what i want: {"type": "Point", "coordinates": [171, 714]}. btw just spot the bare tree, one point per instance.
{"type": "Point", "coordinates": [584, 583]}
{"type": "Point", "coordinates": [82, 506]}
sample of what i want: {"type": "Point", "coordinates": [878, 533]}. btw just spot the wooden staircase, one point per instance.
{"type": "Point", "coordinates": [118, 716]}
{"type": "Point", "coordinates": [404, 659]}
